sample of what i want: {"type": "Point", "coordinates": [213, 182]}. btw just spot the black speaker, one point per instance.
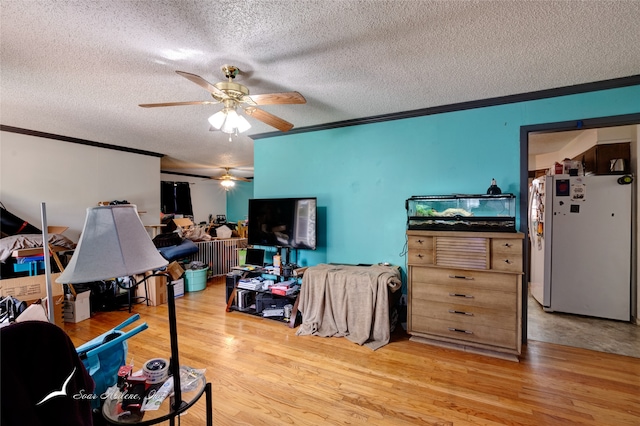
{"type": "Point", "coordinates": [232, 279]}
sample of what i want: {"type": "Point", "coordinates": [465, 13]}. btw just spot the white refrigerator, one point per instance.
{"type": "Point", "coordinates": [580, 245]}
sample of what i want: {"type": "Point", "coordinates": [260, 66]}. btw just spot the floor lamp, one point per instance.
{"type": "Point", "coordinates": [114, 243]}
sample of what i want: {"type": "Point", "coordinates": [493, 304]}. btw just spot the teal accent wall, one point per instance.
{"type": "Point", "coordinates": [363, 174]}
{"type": "Point", "coordinates": [238, 201]}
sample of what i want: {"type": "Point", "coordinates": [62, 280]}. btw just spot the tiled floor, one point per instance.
{"type": "Point", "coordinates": [584, 332]}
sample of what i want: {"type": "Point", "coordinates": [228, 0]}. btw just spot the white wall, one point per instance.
{"type": "Point", "coordinates": [578, 145]}
{"type": "Point", "coordinates": [71, 177]}
{"type": "Point", "coordinates": [207, 196]}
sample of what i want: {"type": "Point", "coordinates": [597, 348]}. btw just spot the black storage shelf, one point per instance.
{"type": "Point", "coordinates": [232, 302]}
{"type": "Point", "coordinates": [252, 311]}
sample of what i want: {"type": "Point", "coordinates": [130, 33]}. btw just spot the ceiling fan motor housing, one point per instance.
{"type": "Point", "coordinates": [233, 90]}
{"type": "Point", "coordinates": [230, 71]}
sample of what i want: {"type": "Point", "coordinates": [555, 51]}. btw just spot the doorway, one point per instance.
{"type": "Point", "coordinates": [566, 329]}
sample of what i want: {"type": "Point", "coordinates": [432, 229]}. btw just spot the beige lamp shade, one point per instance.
{"type": "Point", "coordinates": [113, 244]}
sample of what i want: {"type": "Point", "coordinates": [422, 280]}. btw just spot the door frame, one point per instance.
{"type": "Point", "coordinates": [560, 126]}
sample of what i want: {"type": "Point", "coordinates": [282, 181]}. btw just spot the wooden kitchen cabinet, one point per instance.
{"type": "Point", "coordinates": [465, 290]}
{"type": "Point", "coordinates": [597, 159]}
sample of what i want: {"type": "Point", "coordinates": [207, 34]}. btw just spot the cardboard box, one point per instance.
{"type": "Point", "coordinates": [175, 270]}
{"type": "Point", "coordinates": [157, 286]}
{"type": "Point", "coordinates": [156, 290]}
{"type": "Point", "coordinates": [182, 223]}
{"type": "Point", "coordinates": [56, 229]}
{"type": "Point", "coordinates": [58, 309]}
{"type": "Point", "coordinates": [30, 288]}
{"type": "Point", "coordinates": [79, 309]}
{"type": "Point", "coordinates": [178, 288]}
{"type": "Point", "coordinates": [37, 251]}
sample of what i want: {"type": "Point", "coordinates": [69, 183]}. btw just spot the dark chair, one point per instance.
{"type": "Point", "coordinates": [36, 359]}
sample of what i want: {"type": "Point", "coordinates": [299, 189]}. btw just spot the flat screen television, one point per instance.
{"type": "Point", "coordinates": [283, 222]}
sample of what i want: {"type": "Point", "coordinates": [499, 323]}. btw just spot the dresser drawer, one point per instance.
{"type": "Point", "coordinates": [474, 279]}
{"type": "Point", "coordinates": [420, 250]}
{"type": "Point", "coordinates": [419, 242]}
{"type": "Point", "coordinates": [506, 255]}
{"type": "Point", "coordinates": [464, 295]}
{"type": "Point", "coordinates": [507, 246]}
{"type": "Point", "coordinates": [506, 263]}
{"type": "Point", "coordinates": [467, 316]}
{"type": "Point", "coordinates": [420, 257]}
{"type": "Point", "coordinates": [460, 331]}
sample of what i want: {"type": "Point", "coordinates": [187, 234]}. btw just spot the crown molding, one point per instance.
{"type": "Point", "coordinates": [482, 103]}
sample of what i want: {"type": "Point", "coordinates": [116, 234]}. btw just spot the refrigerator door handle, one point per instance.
{"type": "Point", "coordinates": [529, 223]}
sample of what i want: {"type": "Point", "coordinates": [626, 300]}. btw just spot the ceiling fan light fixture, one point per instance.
{"type": "Point", "coordinates": [243, 124]}
{"type": "Point", "coordinates": [229, 121]}
{"type": "Point", "coordinates": [227, 184]}
{"type": "Point", "coordinates": [217, 119]}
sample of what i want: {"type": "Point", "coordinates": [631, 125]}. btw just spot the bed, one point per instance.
{"type": "Point", "coordinates": [349, 301]}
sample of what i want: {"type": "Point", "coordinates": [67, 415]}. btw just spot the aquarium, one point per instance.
{"type": "Point", "coordinates": [487, 213]}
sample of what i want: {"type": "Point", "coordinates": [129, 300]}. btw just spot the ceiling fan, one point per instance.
{"type": "Point", "coordinates": [233, 95]}
{"type": "Point", "coordinates": [227, 179]}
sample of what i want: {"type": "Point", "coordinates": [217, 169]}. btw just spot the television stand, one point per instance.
{"type": "Point", "coordinates": [291, 299]}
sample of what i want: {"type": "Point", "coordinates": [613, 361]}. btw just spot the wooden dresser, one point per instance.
{"type": "Point", "coordinates": [464, 290]}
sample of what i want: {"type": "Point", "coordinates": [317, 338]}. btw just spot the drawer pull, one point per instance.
{"type": "Point", "coordinates": [420, 241]}
{"type": "Point", "coordinates": [420, 256]}
{"type": "Point", "coordinates": [507, 261]}
{"type": "Point", "coordinates": [508, 245]}
{"type": "Point", "coordinates": [458, 330]}
{"type": "Point", "coordinates": [468, 296]}
{"type": "Point", "coordinates": [461, 277]}
{"type": "Point", "coordinates": [451, 311]}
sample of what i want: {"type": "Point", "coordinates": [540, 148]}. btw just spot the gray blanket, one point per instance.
{"type": "Point", "coordinates": [24, 241]}
{"type": "Point", "coordinates": [348, 301]}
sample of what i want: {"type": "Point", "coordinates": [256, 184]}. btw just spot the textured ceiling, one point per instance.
{"type": "Point", "coordinates": [80, 68]}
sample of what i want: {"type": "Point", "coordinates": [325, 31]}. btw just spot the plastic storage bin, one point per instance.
{"type": "Point", "coordinates": [195, 279]}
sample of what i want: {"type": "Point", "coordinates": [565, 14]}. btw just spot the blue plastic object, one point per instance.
{"type": "Point", "coordinates": [104, 355]}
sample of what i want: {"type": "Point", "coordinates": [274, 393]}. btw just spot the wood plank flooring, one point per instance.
{"type": "Point", "coordinates": [263, 374]}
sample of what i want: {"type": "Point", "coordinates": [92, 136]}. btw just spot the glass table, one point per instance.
{"type": "Point", "coordinates": [114, 414]}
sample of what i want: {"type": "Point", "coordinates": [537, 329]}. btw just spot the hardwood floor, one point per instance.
{"type": "Point", "coordinates": [263, 374]}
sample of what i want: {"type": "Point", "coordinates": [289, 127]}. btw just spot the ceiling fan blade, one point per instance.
{"type": "Point", "coordinates": [165, 104]}
{"type": "Point", "coordinates": [269, 119]}
{"type": "Point", "coordinates": [276, 99]}
{"type": "Point", "coordinates": [203, 83]}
